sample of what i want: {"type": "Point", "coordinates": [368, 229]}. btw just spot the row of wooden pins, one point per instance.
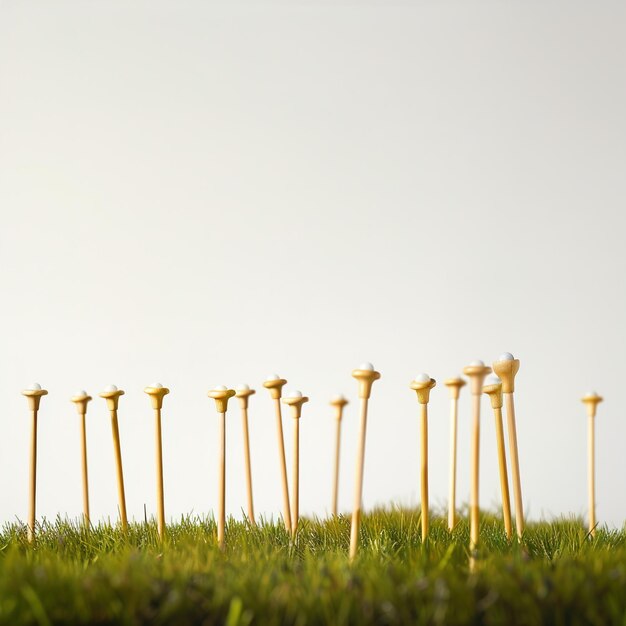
{"type": "Point", "coordinates": [499, 388]}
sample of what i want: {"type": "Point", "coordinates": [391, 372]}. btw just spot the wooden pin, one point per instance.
{"type": "Point", "coordinates": [33, 393]}
{"type": "Point", "coordinates": [275, 385]}
{"type": "Point", "coordinates": [591, 401]}
{"type": "Point", "coordinates": [295, 400]}
{"type": "Point", "coordinates": [112, 394]}
{"type": "Point", "coordinates": [422, 384]}
{"type": "Point", "coordinates": [157, 392]}
{"type": "Point", "coordinates": [476, 372]}
{"type": "Point", "coordinates": [338, 402]}
{"type": "Point", "coordinates": [80, 400]}
{"type": "Point", "coordinates": [506, 367]}
{"type": "Point", "coordinates": [493, 388]}
{"type": "Point", "coordinates": [454, 385]}
{"type": "Point", "coordinates": [243, 393]}
{"type": "Point", "coordinates": [366, 375]}
{"type": "Point", "coordinates": [221, 396]}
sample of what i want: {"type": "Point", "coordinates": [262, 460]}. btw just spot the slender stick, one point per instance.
{"type": "Point", "coordinates": [424, 472]}
{"type": "Point", "coordinates": [474, 471]}
{"type": "Point", "coordinates": [517, 485]}
{"type": "Point", "coordinates": [159, 470]}
{"type": "Point", "coordinates": [33, 477]}
{"type": "Point", "coordinates": [358, 488]}
{"type": "Point", "coordinates": [592, 476]}
{"type": "Point", "coordinates": [504, 478]}
{"type": "Point", "coordinates": [295, 500]}
{"type": "Point", "coordinates": [120, 472]}
{"type": "Point", "coordinates": [221, 513]}
{"type": "Point", "coordinates": [454, 403]}
{"type": "Point", "coordinates": [246, 450]}
{"type": "Point", "coordinates": [283, 465]}
{"type": "Point", "coordinates": [83, 441]}
{"type": "Point", "coordinates": [336, 477]}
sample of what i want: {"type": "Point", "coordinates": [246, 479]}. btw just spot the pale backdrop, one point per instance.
{"type": "Point", "coordinates": [201, 194]}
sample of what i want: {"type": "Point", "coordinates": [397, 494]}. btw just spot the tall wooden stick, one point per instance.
{"type": "Point", "coordinates": [591, 401]}
{"type": "Point", "coordinates": [476, 372]}
{"type": "Point", "coordinates": [221, 395]}
{"type": "Point", "coordinates": [157, 391]}
{"type": "Point", "coordinates": [454, 385]}
{"type": "Point", "coordinates": [422, 384]}
{"type": "Point", "coordinates": [80, 400]}
{"type": "Point", "coordinates": [243, 393]}
{"type": "Point", "coordinates": [275, 385]}
{"type": "Point", "coordinates": [366, 375]}
{"type": "Point", "coordinates": [33, 395]}
{"type": "Point", "coordinates": [338, 402]}
{"type": "Point", "coordinates": [111, 394]}
{"type": "Point", "coordinates": [493, 388]}
{"type": "Point", "coordinates": [295, 400]}
{"type": "Point", "coordinates": [506, 368]}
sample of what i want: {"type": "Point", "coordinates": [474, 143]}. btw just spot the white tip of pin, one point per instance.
{"type": "Point", "coordinates": [80, 393]}
{"type": "Point", "coordinates": [34, 387]}
{"type": "Point", "coordinates": [242, 387]}
{"type": "Point", "coordinates": [477, 363]}
{"type": "Point", "coordinates": [156, 386]}
{"type": "Point", "coordinates": [366, 366]}
{"type": "Point", "coordinates": [110, 388]}
{"type": "Point", "coordinates": [338, 398]}
{"type": "Point", "coordinates": [272, 377]}
{"type": "Point", "coordinates": [492, 380]}
{"type": "Point", "coordinates": [220, 388]}
{"type": "Point", "coordinates": [506, 356]}
{"type": "Point", "coordinates": [422, 378]}
{"type": "Point", "coordinates": [591, 394]}
{"type": "Point", "coordinates": [293, 394]}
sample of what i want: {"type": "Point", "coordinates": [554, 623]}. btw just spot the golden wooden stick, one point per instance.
{"type": "Point", "coordinates": [366, 375]}
{"type": "Point", "coordinates": [476, 372]}
{"type": "Point", "coordinates": [112, 394]}
{"type": "Point", "coordinates": [338, 402]}
{"type": "Point", "coordinates": [243, 392]}
{"type": "Point", "coordinates": [33, 395]}
{"type": "Point", "coordinates": [493, 388]}
{"type": "Point", "coordinates": [422, 384]}
{"type": "Point", "coordinates": [454, 385]}
{"type": "Point", "coordinates": [157, 392]}
{"type": "Point", "coordinates": [275, 385]}
{"type": "Point", "coordinates": [295, 400]}
{"type": "Point", "coordinates": [221, 396]}
{"type": "Point", "coordinates": [506, 367]}
{"type": "Point", "coordinates": [591, 401]}
{"type": "Point", "coordinates": [80, 400]}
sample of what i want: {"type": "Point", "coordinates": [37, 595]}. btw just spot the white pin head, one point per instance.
{"type": "Point", "coordinates": [366, 366]}
{"type": "Point", "coordinates": [422, 378]}
{"type": "Point", "coordinates": [242, 387]}
{"type": "Point", "coordinates": [506, 356]}
{"type": "Point", "coordinates": [272, 377]}
{"type": "Point", "coordinates": [110, 388]}
{"type": "Point", "coordinates": [34, 387]}
{"type": "Point", "coordinates": [81, 393]}
{"type": "Point", "coordinates": [156, 386]}
{"type": "Point", "coordinates": [492, 379]}
{"type": "Point", "coordinates": [477, 363]}
{"type": "Point", "coordinates": [220, 388]}
{"type": "Point", "coordinates": [293, 394]}
{"type": "Point", "coordinates": [591, 394]}
{"type": "Point", "coordinates": [338, 398]}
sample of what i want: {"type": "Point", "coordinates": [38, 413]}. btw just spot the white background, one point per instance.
{"type": "Point", "coordinates": [204, 194]}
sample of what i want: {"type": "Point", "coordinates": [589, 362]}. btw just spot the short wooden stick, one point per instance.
{"type": "Point", "coordinates": [336, 476]}
{"type": "Point", "coordinates": [120, 472]}
{"type": "Point", "coordinates": [474, 473]}
{"type": "Point", "coordinates": [246, 450]}
{"type": "Point", "coordinates": [424, 469]}
{"type": "Point", "coordinates": [159, 474]}
{"type": "Point", "coordinates": [504, 478]}
{"type": "Point", "coordinates": [221, 513]}
{"type": "Point", "coordinates": [454, 403]}
{"type": "Point", "coordinates": [592, 476]}
{"type": "Point", "coordinates": [283, 465]}
{"type": "Point", "coordinates": [295, 500]}
{"type": "Point", "coordinates": [358, 485]}
{"type": "Point", "coordinates": [33, 477]}
{"type": "Point", "coordinates": [83, 442]}
{"type": "Point", "coordinates": [516, 480]}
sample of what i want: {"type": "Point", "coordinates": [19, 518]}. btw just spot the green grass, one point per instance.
{"type": "Point", "coordinates": [556, 575]}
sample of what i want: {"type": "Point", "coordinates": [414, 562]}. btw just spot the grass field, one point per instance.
{"type": "Point", "coordinates": [557, 575]}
